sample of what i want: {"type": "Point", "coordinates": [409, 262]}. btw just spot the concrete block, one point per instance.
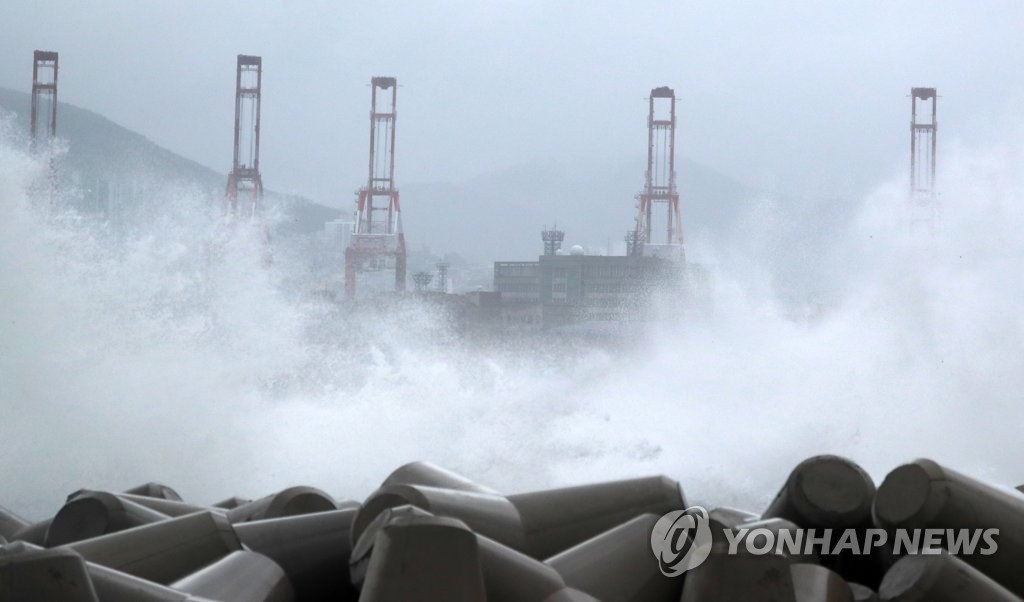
{"type": "Point", "coordinates": [618, 565]}
{"type": "Point", "coordinates": [509, 575]}
{"type": "Point", "coordinates": [814, 583]}
{"type": "Point", "coordinates": [155, 490]}
{"type": "Point", "coordinates": [313, 549]}
{"type": "Point", "coordinates": [115, 586]}
{"type": "Point", "coordinates": [168, 507]}
{"type": "Point", "coordinates": [432, 475]}
{"type": "Point", "coordinates": [825, 492]}
{"type": "Point", "coordinates": [231, 503]}
{"type": "Point", "coordinates": [557, 519]}
{"type": "Point", "coordinates": [424, 559]}
{"type": "Point", "coordinates": [362, 550]}
{"type": "Point", "coordinates": [165, 551]}
{"type": "Point", "coordinates": [31, 575]}
{"type": "Point", "coordinates": [34, 533]}
{"type": "Point", "coordinates": [239, 577]}
{"type": "Point", "coordinates": [288, 502]}
{"type": "Point", "coordinates": [487, 514]}
{"type": "Point", "coordinates": [742, 576]}
{"type": "Point", "coordinates": [10, 523]}
{"type": "Point", "coordinates": [863, 593]}
{"type": "Point", "coordinates": [93, 513]}
{"type": "Point", "coordinates": [724, 517]}
{"type": "Point", "coordinates": [540, 523]}
{"type": "Point", "coordinates": [923, 495]}
{"type": "Point", "coordinates": [940, 578]}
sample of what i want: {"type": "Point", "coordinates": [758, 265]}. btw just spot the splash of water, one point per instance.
{"type": "Point", "coordinates": [173, 353]}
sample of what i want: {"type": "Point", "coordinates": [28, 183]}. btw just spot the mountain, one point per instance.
{"type": "Point", "coordinates": [493, 216]}
{"type": "Point", "coordinates": [104, 158]}
{"type": "Point", "coordinates": [499, 215]}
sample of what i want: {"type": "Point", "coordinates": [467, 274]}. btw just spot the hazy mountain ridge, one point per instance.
{"type": "Point", "coordinates": [493, 216]}
{"type": "Point", "coordinates": [500, 214]}
{"type": "Point", "coordinates": [99, 145]}
{"type": "Point", "coordinates": [99, 149]}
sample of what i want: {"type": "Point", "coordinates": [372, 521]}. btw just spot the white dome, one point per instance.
{"type": "Point", "coordinates": [576, 250]}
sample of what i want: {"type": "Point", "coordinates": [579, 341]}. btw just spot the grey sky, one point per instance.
{"type": "Point", "coordinates": [800, 96]}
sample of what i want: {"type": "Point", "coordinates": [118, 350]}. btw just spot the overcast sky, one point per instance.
{"type": "Point", "coordinates": [804, 97]}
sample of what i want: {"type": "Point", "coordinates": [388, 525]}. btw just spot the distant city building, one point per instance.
{"type": "Point", "coordinates": [562, 289]}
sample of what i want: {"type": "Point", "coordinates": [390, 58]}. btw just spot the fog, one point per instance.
{"type": "Point", "coordinates": [804, 98]}
{"type": "Point", "coordinates": [174, 352]}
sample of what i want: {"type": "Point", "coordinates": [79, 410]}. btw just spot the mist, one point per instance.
{"type": "Point", "coordinates": [804, 98]}
{"type": "Point", "coordinates": [174, 352]}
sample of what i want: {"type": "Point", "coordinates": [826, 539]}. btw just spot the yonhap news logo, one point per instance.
{"type": "Point", "coordinates": [681, 540]}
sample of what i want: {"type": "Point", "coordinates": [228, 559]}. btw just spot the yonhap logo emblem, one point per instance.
{"type": "Point", "coordinates": [681, 540]}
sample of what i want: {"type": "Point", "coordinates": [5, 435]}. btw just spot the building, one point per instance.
{"type": "Point", "coordinates": [558, 290]}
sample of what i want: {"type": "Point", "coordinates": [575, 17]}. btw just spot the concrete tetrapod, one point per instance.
{"type": "Point", "coordinates": [231, 503]}
{"type": "Point", "coordinates": [724, 517]}
{"type": "Point", "coordinates": [10, 523]}
{"type": "Point", "coordinates": [362, 551]}
{"type": "Point", "coordinates": [155, 490]}
{"type": "Point", "coordinates": [239, 577]}
{"type": "Point", "coordinates": [571, 595]}
{"type": "Point", "coordinates": [814, 583]}
{"type": "Point", "coordinates": [114, 586]}
{"type": "Point", "coordinates": [825, 491]}
{"type": "Point", "coordinates": [557, 519]}
{"type": "Point", "coordinates": [831, 492]}
{"type": "Point", "coordinates": [287, 502]}
{"type": "Point", "coordinates": [725, 577]}
{"type": "Point", "coordinates": [166, 551]}
{"type": "Point", "coordinates": [168, 507]}
{"type": "Point", "coordinates": [939, 578]}
{"type": "Point", "coordinates": [509, 575]}
{"type": "Point", "coordinates": [432, 475]}
{"type": "Point", "coordinates": [863, 593]}
{"type": "Point", "coordinates": [313, 550]}
{"type": "Point", "coordinates": [34, 533]}
{"type": "Point", "coordinates": [90, 514]}
{"type": "Point", "coordinates": [618, 565]}
{"type": "Point", "coordinates": [540, 523]}
{"type": "Point", "coordinates": [777, 526]}
{"type": "Point", "coordinates": [487, 514]}
{"type": "Point", "coordinates": [925, 495]}
{"type": "Point", "coordinates": [424, 559]}
{"type": "Point", "coordinates": [33, 574]}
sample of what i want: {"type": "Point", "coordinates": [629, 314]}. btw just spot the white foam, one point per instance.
{"type": "Point", "coordinates": [173, 353]}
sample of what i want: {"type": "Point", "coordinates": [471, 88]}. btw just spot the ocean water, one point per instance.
{"type": "Point", "coordinates": [173, 352]}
